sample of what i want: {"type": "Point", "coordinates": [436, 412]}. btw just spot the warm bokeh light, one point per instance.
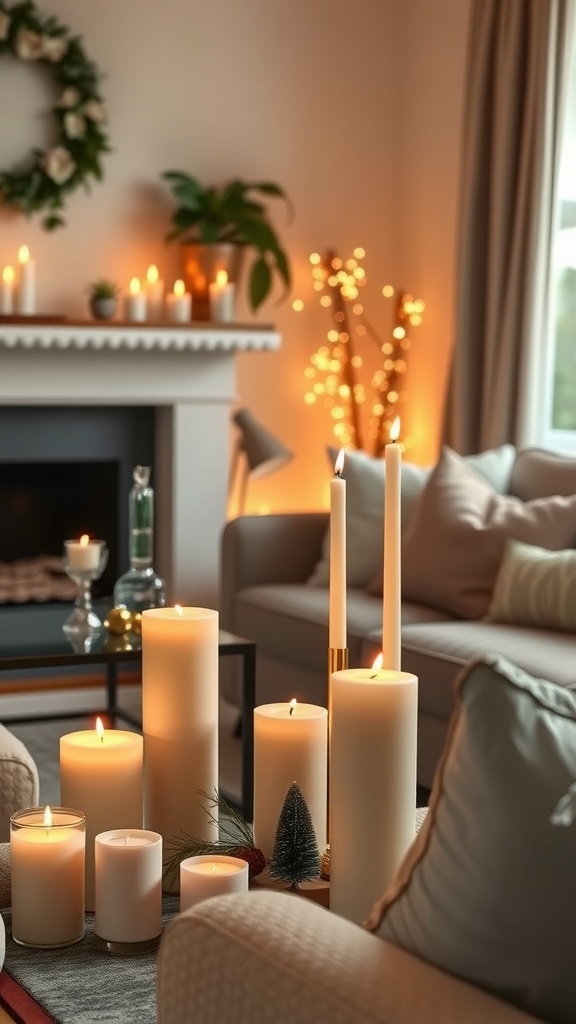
{"type": "Point", "coordinates": [178, 609]}
{"type": "Point", "coordinates": [152, 274]}
{"type": "Point", "coordinates": [23, 254]}
{"type": "Point", "coordinates": [84, 540]}
{"type": "Point", "coordinates": [179, 288]}
{"type": "Point", "coordinates": [8, 275]}
{"type": "Point", "coordinates": [221, 279]}
{"type": "Point", "coordinates": [135, 286]}
{"type": "Point", "coordinates": [99, 729]}
{"type": "Point", "coordinates": [47, 817]}
{"type": "Point", "coordinates": [297, 305]}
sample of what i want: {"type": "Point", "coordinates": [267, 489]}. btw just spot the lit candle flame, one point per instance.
{"type": "Point", "coordinates": [179, 289]}
{"type": "Point", "coordinates": [134, 286]}
{"type": "Point", "coordinates": [293, 703]}
{"type": "Point", "coordinates": [339, 464]}
{"type": "Point", "coordinates": [221, 279]}
{"type": "Point", "coordinates": [178, 609]}
{"type": "Point", "coordinates": [47, 817]}
{"type": "Point", "coordinates": [395, 429]}
{"type": "Point", "coordinates": [8, 275]}
{"type": "Point", "coordinates": [84, 540]}
{"type": "Point", "coordinates": [100, 730]}
{"type": "Point", "coordinates": [23, 254]}
{"type": "Point", "coordinates": [377, 665]}
{"type": "Point", "coordinates": [152, 274]}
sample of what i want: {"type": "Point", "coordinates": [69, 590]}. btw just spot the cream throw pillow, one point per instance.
{"type": "Point", "coordinates": [452, 552]}
{"type": "Point", "coordinates": [535, 587]}
{"type": "Point", "coordinates": [488, 889]}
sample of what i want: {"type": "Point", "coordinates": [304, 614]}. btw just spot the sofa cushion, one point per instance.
{"type": "Point", "coordinates": [535, 587]}
{"type": "Point", "coordinates": [537, 473]}
{"type": "Point", "coordinates": [452, 552]}
{"type": "Point", "coordinates": [488, 889]}
{"type": "Point", "coordinates": [365, 477]}
{"type": "Point", "coordinates": [436, 652]}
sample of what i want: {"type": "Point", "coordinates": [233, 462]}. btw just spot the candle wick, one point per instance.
{"type": "Point", "coordinates": [338, 473]}
{"type": "Point", "coordinates": [291, 710]}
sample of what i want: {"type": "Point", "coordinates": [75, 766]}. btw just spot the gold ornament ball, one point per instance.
{"type": "Point", "coordinates": [118, 620]}
{"type": "Point", "coordinates": [325, 863]}
{"type": "Point", "coordinates": [136, 623]}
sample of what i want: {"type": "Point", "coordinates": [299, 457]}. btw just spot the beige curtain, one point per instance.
{"type": "Point", "coordinates": [517, 68]}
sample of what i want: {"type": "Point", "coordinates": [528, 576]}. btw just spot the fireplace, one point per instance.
{"type": "Point", "coordinates": [65, 472]}
{"type": "Point", "coordinates": [183, 377]}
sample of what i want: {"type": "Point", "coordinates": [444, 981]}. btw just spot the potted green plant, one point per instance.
{"type": "Point", "coordinates": [103, 296]}
{"type": "Point", "coordinates": [217, 226]}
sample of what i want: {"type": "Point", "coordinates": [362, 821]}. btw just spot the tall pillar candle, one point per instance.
{"type": "Point", "coordinates": [47, 876]}
{"type": "Point", "coordinates": [290, 745]}
{"type": "Point", "coordinates": [154, 294]}
{"type": "Point", "coordinates": [101, 773]}
{"type": "Point", "coordinates": [391, 606]}
{"type": "Point", "coordinates": [26, 285]}
{"type": "Point", "coordinates": [337, 615]}
{"type": "Point", "coordinates": [128, 914]}
{"type": "Point", "coordinates": [179, 719]}
{"type": "Point", "coordinates": [372, 784]}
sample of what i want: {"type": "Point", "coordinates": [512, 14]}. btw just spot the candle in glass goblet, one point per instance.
{"type": "Point", "coordinates": [83, 555]}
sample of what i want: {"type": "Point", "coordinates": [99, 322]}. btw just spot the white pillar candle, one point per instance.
{"type": "Point", "coordinates": [135, 302]}
{"type": "Point", "coordinates": [101, 773]}
{"type": "Point", "coordinates": [290, 745]}
{"type": "Point", "coordinates": [372, 784]}
{"type": "Point", "coordinates": [154, 294]}
{"type": "Point", "coordinates": [391, 605]}
{"type": "Point", "coordinates": [26, 290]}
{"type": "Point", "coordinates": [179, 304]}
{"type": "Point", "coordinates": [222, 298]}
{"type": "Point", "coordinates": [205, 876]}
{"type": "Point", "coordinates": [337, 616]}
{"type": "Point", "coordinates": [7, 291]}
{"type": "Point", "coordinates": [83, 554]}
{"type": "Point", "coordinates": [47, 876]}
{"type": "Point", "coordinates": [179, 719]}
{"type": "Point", "coordinates": [128, 886]}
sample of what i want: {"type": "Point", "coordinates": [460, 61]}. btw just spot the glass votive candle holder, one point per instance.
{"type": "Point", "coordinates": [47, 851]}
{"type": "Point", "coordinates": [128, 891]}
{"type": "Point", "coordinates": [210, 875]}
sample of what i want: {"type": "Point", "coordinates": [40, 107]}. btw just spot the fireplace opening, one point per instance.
{"type": "Point", "coordinates": [42, 504]}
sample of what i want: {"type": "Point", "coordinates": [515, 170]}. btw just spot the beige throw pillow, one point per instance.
{"type": "Point", "coordinates": [535, 587]}
{"type": "Point", "coordinates": [452, 552]}
{"type": "Point", "coordinates": [488, 889]}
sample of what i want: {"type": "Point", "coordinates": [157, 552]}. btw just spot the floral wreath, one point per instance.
{"type": "Point", "coordinates": [79, 114]}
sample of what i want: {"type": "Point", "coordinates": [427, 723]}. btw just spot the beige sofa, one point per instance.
{"type": "Point", "coordinates": [266, 595]}
{"type": "Point", "coordinates": [273, 958]}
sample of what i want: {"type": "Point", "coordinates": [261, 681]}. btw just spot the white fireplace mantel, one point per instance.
{"type": "Point", "coordinates": [187, 373]}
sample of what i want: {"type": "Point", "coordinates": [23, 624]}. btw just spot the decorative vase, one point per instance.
{"type": "Point", "coordinates": [140, 587]}
{"type": "Point", "coordinates": [103, 308]}
{"type": "Point", "coordinates": [201, 263]}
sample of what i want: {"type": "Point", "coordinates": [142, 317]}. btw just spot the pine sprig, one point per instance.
{"type": "Point", "coordinates": [234, 832]}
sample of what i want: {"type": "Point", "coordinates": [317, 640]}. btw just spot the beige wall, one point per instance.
{"type": "Point", "coordinates": [353, 108]}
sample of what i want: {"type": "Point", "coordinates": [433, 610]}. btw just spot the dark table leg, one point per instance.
{"type": "Point", "coordinates": [248, 704]}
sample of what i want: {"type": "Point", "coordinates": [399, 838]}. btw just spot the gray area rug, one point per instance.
{"type": "Point", "coordinates": [82, 985]}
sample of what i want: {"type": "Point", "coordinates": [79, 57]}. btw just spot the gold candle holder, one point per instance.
{"type": "Point", "coordinates": [337, 660]}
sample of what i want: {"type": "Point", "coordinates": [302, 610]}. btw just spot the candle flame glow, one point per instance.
{"type": "Point", "coordinates": [23, 254]}
{"type": "Point", "coordinates": [395, 429]}
{"type": "Point", "coordinates": [179, 288]}
{"type": "Point", "coordinates": [293, 704]}
{"type": "Point", "coordinates": [100, 730]}
{"type": "Point", "coordinates": [339, 464]}
{"type": "Point", "coordinates": [221, 278]}
{"type": "Point", "coordinates": [152, 274]}
{"type": "Point", "coordinates": [84, 540]}
{"type": "Point", "coordinates": [8, 275]}
{"type": "Point", "coordinates": [47, 817]}
{"type": "Point", "coordinates": [134, 286]}
{"type": "Point", "coordinates": [178, 609]}
{"type": "Point", "coordinates": [377, 665]}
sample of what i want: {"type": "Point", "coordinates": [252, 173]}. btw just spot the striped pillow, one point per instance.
{"type": "Point", "coordinates": [535, 587]}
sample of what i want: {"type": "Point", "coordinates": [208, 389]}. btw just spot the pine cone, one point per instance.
{"type": "Point", "coordinates": [254, 857]}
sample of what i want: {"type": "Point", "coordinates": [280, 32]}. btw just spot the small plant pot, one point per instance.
{"type": "Point", "coordinates": [103, 309]}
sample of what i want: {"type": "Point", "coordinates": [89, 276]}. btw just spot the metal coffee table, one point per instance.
{"type": "Point", "coordinates": [49, 647]}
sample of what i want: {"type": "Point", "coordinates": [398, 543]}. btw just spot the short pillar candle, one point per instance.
{"type": "Point", "coordinates": [205, 876]}
{"type": "Point", "coordinates": [47, 876]}
{"type": "Point", "coordinates": [290, 745]}
{"type": "Point", "coordinates": [83, 555]}
{"type": "Point", "coordinates": [128, 915]}
{"type": "Point", "coordinates": [101, 771]}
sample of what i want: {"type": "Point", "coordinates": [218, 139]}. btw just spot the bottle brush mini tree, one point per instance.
{"type": "Point", "coordinates": [295, 857]}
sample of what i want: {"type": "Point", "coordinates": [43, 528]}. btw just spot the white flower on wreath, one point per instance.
{"type": "Point", "coordinates": [95, 111]}
{"type": "Point", "coordinates": [29, 45]}
{"type": "Point", "coordinates": [70, 97]}
{"type": "Point", "coordinates": [54, 48]}
{"type": "Point", "coordinates": [4, 25]}
{"type": "Point", "coordinates": [58, 164]}
{"type": "Point", "coordinates": [74, 125]}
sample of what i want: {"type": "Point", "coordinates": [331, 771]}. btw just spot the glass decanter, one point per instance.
{"type": "Point", "coordinates": [84, 562]}
{"type": "Point", "coordinates": [140, 587]}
